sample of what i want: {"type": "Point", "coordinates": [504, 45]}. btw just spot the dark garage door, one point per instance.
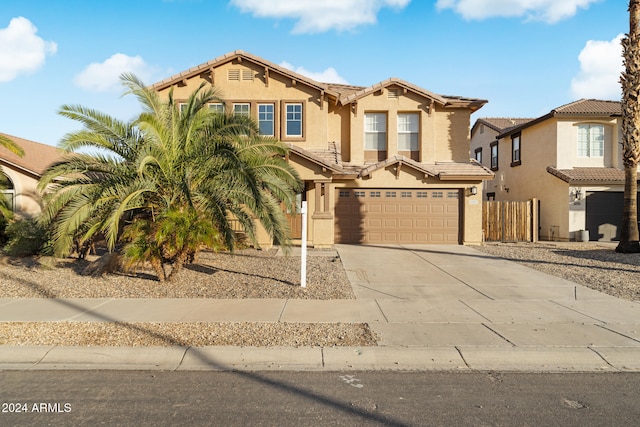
{"type": "Point", "coordinates": [604, 215]}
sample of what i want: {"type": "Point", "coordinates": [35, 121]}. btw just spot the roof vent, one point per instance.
{"type": "Point", "coordinates": [393, 93]}
{"type": "Point", "coordinates": [234, 75]}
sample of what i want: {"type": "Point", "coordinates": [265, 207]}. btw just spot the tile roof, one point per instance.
{"type": "Point", "coordinates": [442, 170]}
{"type": "Point", "coordinates": [227, 57]}
{"type": "Point", "coordinates": [344, 93]}
{"type": "Point", "coordinates": [36, 157]}
{"type": "Point", "coordinates": [500, 124]}
{"type": "Point", "coordinates": [589, 175]}
{"type": "Point", "coordinates": [590, 107]}
{"type": "Point", "coordinates": [581, 107]}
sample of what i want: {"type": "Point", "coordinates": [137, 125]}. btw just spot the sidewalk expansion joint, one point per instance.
{"type": "Point", "coordinates": [380, 308]}
{"type": "Point", "coordinates": [501, 336]}
{"type": "Point", "coordinates": [476, 311]}
{"type": "Point", "coordinates": [576, 311]}
{"type": "Point", "coordinates": [602, 357]}
{"type": "Point", "coordinates": [282, 311]}
{"type": "Point", "coordinates": [604, 326]}
{"type": "Point", "coordinates": [184, 354]}
{"type": "Point", "coordinates": [80, 313]}
{"type": "Point", "coordinates": [462, 356]}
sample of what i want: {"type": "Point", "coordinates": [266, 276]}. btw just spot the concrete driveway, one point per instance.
{"type": "Point", "coordinates": [442, 295]}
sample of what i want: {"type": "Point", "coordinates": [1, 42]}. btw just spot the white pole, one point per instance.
{"type": "Point", "coordinates": [303, 254]}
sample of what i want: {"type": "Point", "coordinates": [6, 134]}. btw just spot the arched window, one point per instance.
{"type": "Point", "coordinates": [8, 191]}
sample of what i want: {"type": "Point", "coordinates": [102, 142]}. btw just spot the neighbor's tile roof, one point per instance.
{"type": "Point", "coordinates": [589, 175]}
{"type": "Point", "coordinates": [36, 157]}
{"type": "Point", "coordinates": [581, 107]}
{"type": "Point", "coordinates": [591, 107]}
{"type": "Point", "coordinates": [500, 124]}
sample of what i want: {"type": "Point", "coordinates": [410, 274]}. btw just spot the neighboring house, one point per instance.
{"type": "Point", "coordinates": [569, 159]}
{"type": "Point", "coordinates": [23, 173]}
{"type": "Point", "coordinates": [388, 163]}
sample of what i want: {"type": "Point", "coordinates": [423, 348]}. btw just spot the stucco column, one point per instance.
{"type": "Point", "coordinates": [322, 218]}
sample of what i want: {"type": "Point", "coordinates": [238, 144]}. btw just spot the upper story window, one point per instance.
{"type": "Point", "coordinates": [243, 109]}
{"type": "Point", "coordinates": [515, 150]}
{"type": "Point", "coordinates": [293, 125]}
{"type": "Point", "coordinates": [217, 107]}
{"type": "Point", "coordinates": [408, 131]}
{"type": "Point", "coordinates": [266, 119]}
{"type": "Point", "coordinates": [478, 155]}
{"type": "Point", "coordinates": [590, 140]}
{"type": "Point", "coordinates": [375, 131]}
{"type": "Point", "coordinates": [494, 155]}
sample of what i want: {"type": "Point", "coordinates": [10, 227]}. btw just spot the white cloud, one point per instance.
{"type": "Point", "coordinates": [21, 50]}
{"type": "Point", "coordinates": [105, 76]}
{"type": "Point", "coordinates": [330, 75]}
{"type": "Point", "coordinates": [600, 68]}
{"type": "Point", "coordinates": [316, 16]}
{"type": "Point", "coordinates": [549, 11]}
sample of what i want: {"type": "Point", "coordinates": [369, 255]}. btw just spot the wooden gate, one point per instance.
{"type": "Point", "coordinates": [510, 221]}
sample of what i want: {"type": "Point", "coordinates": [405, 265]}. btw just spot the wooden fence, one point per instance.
{"type": "Point", "coordinates": [510, 221]}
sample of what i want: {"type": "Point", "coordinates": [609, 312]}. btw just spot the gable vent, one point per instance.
{"type": "Point", "coordinates": [234, 74]}
{"type": "Point", "coordinates": [247, 74]}
{"type": "Point", "coordinates": [393, 93]}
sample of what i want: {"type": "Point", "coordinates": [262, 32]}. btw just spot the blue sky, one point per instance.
{"type": "Point", "coordinates": [524, 56]}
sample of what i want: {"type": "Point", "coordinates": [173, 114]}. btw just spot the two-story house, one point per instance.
{"type": "Point", "coordinates": [569, 159]}
{"type": "Point", "coordinates": [387, 163]}
{"type": "Point", "coordinates": [22, 174]}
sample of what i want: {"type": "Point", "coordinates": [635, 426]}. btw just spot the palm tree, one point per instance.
{"type": "Point", "coordinates": [171, 181]}
{"type": "Point", "coordinates": [630, 79]}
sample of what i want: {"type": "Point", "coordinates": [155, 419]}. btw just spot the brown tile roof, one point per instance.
{"type": "Point", "coordinates": [36, 157]}
{"type": "Point", "coordinates": [591, 107]}
{"type": "Point", "coordinates": [227, 57]}
{"type": "Point", "coordinates": [442, 170]}
{"type": "Point", "coordinates": [581, 107]}
{"type": "Point", "coordinates": [589, 175]}
{"type": "Point", "coordinates": [344, 93]}
{"type": "Point", "coordinates": [500, 124]}
{"type": "Point", "coordinates": [444, 100]}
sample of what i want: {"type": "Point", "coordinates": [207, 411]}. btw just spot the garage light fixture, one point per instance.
{"type": "Point", "coordinates": [473, 190]}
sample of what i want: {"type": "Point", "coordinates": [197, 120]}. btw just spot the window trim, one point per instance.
{"type": "Point", "coordinates": [478, 151]}
{"type": "Point", "coordinates": [386, 130]}
{"type": "Point", "coordinates": [416, 133]}
{"type": "Point", "coordinates": [496, 157]}
{"type": "Point", "coordinates": [590, 141]}
{"type": "Point", "coordinates": [284, 122]}
{"type": "Point", "coordinates": [516, 154]}
{"type": "Point", "coordinates": [273, 117]}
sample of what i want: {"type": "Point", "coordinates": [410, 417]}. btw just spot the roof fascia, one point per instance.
{"type": "Point", "coordinates": [228, 57]}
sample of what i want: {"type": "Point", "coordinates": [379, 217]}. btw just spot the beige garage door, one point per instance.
{"type": "Point", "coordinates": [379, 215]}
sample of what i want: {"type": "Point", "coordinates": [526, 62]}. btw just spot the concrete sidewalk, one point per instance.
{"type": "Point", "coordinates": [432, 307]}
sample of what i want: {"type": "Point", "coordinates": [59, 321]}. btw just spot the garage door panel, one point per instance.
{"type": "Point", "coordinates": [397, 216]}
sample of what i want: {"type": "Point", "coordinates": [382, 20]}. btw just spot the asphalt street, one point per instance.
{"type": "Point", "coordinates": [159, 398]}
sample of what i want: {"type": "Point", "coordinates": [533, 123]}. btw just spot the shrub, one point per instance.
{"type": "Point", "coordinates": [27, 237]}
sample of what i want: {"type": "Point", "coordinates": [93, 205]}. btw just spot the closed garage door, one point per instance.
{"type": "Point", "coordinates": [604, 215]}
{"type": "Point", "coordinates": [381, 215]}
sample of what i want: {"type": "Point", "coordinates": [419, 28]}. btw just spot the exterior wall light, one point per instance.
{"type": "Point", "coordinates": [473, 190]}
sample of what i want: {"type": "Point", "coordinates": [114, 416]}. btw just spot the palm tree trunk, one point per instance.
{"type": "Point", "coordinates": [630, 79]}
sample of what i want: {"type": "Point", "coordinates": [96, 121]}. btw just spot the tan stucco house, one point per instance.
{"type": "Point", "coordinates": [23, 173]}
{"type": "Point", "coordinates": [570, 159]}
{"type": "Point", "coordinates": [386, 163]}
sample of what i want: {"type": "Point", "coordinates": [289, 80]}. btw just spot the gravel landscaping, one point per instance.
{"type": "Point", "coordinates": [248, 273]}
{"type": "Point", "coordinates": [592, 264]}
{"type": "Point", "coordinates": [262, 274]}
